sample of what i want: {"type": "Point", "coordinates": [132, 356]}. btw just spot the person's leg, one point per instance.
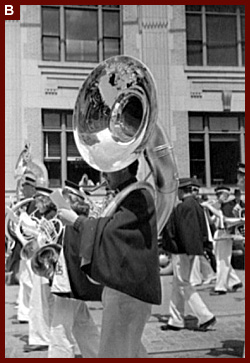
{"type": "Point", "coordinates": [124, 319]}
{"type": "Point", "coordinates": [13, 264]}
{"type": "Point", "coordinates": [192, 297]}
{"type": "Point", "coordinates": [207, 272]}
{"type": "Point", "coordinates": [223, 263]}
{"type": "Point", "coordinates": [24, 293]}
{"type": "Point", "coordinates": [177, 301]}
{"type": "Point", "coordinates": [196, 275]}
{"type": "Point", "coordinates": [188, 292]}
{"type": "Point", "coordinates": [62, 342]}
{"type": "Point", "coordinates": [233, 278]}
{"type": "Point", "coordinates": [40, 316]}
{"type": "Point", "coordinates": [85, 331]}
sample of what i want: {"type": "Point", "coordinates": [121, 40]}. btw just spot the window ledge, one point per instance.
{"type": "Point", "coordinates": [66, 67]}
{"type": "Point", "coordinates": [212, 71]}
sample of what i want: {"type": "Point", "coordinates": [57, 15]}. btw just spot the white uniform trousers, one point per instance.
{"type": "Point", "coordinates": [202, 271]}
{"type": "Point", "coordinates": [24, 292]}
{"type": "Point", "coordinates": [73, 325]}
{"type": "Point", "coordinates": [123, 321]}
{"type": "Point", "coordinates": [226, 275]}
{"type": "Point", "coordinates": [41, 303]}
{"type": "Point", "coordinates": [183, 291]}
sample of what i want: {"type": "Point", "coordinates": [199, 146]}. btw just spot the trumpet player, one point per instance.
{"type": "Point", "coordinates": [227, 279]}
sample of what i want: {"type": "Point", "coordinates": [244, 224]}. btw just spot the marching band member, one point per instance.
{"type": "Point", "coordinates": [227, 279]}
{"type": "Point", "coordinates": [41, 299]}
{"type": "Point", "coordinates": [121, 252]}
{"type": "Point", "coordinates": [202, 272]}
{"type": "Point", "coordinates": [183, 237]}
{"type": "Point", "coordinates": [26, 275]}
{"type": "Point", "coordinates": [72, 323]}
{"type": "Point", "coordinates": [241, 185]}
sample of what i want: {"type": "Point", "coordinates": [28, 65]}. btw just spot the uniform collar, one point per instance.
{"type": "Point", "coordinates": [125, 184]}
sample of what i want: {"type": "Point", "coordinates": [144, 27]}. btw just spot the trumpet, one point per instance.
{"type": "Point", "coordinates": [226, 223]}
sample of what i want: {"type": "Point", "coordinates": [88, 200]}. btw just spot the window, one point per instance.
{"type": "Point", "coordinates": [80, 33]}
{"type": "Point", "coordinates": [216, 144]}
{"type": "Point", "coordinates": [215, 35]}
{"type": "Point", "coordinates": [61, 156]}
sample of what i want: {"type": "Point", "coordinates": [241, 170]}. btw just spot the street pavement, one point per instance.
{"type": "Point", "coordinates": [224, 340]}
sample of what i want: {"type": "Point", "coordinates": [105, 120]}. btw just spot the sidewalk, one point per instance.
{"type": "Point", "coordinates": [224, 340]}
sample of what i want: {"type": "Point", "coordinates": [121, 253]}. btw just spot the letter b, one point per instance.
{"type": "Point", "coordinates": [9, 10]}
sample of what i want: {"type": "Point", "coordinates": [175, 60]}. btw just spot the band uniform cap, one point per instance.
{"type": "Point", "coordinates": [185, 182]}
{"type": "Point", "coordinates": [43, 191]}
{"type": "Point", "coordinates": [195, 183]}
{"type": "Point", "coordinates": [29, 179]}
{"type": "Point", "coordinates": [222, 189]}
{"type": "Point", "coordinates": [241, 168]}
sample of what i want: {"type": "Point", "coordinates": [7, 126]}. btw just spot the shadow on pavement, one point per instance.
{"type": "Point", "coordinates": [229, 347]}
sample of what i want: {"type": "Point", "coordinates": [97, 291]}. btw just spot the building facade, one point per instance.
{"type": "Point", "coordinates": [195, 52]}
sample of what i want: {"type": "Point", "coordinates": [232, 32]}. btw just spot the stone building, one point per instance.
{"type": "Point", "coordinates": [195, 52]}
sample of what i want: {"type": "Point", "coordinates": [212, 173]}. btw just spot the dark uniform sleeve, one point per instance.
{"type": "Point", "coordinates": [169, 234]}
{"type": "Point", "coordinates": [125, 248]}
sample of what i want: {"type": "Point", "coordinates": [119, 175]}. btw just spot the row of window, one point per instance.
{"type": "Point", "coordinates": [80, 33]}
{"type": "Point", "coordinates": [216, 144]}
{"type": "Point", "coordinates": [215, 35]}
{"type": "Point", "coordinates": [91, 33]}
{"type": "Point", "coordinates": [61, 156]}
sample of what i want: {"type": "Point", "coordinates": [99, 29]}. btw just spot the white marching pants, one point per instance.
{"type": "Point", "coordinates": [201, 271]}
{"type": "Point", "coordinates": [73, 325]}
{"type": "Point", "coordinates": [124, 319]}
{"type": "Point", "coordinates": [183, 291]}
{"type": "Point", "coordinates": [40, 314]}
{"type": "Point", "coordinates": [226, 275]}
{"type": "Point", "coordinates": [24, 292]}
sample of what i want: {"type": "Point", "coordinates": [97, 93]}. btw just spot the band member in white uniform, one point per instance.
{"type": "Point", "coordinates": [26, 275]}
{"type": "Point", "coordinates": [41, 300]}
{"type": "Point", "coordinates": [227, 279]}
{"type": "Point", "coordinates": [72, 325]}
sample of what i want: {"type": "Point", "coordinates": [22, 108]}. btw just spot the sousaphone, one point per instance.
{"type": "Point", "coordinates": [115, 122]}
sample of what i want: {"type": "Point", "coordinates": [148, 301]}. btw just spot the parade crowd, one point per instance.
{"type": "Point", "coordinates": [82, 253]}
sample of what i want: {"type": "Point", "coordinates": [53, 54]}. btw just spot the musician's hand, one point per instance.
{"type": "Point", "coordinates": [67, 216]}
{"type": "Point", "coordinates": [47, 225]}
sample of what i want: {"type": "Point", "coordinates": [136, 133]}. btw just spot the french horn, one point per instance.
{"type": "Point", "coordinates": [31, 231]}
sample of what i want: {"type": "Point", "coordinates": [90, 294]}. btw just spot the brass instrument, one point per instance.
{"type": "Point", "coordinates": [115, 122]}
{"type": "Point", "coordinates": [29, 230]}
{"type": "Point", "coordinates": [25, 164]}
{"type": "Point", "coordinates": [226, 223]}
{"type": "Point", "coordinates": [44, 260]}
